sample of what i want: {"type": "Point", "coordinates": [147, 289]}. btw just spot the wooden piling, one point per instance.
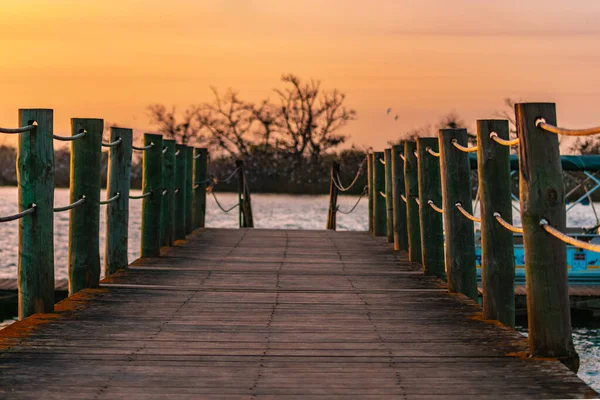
{"type": "Point", "coordinates": [379, 206]}
{"type": "Point", "coordinates": [333, 195]}
{"type": "Point", "coordinates": [497, 248]}
{"type": "Point", "coordinates": [400, 233]}
{"type": "Point", "coordinates": [84, 220]}
{"type": "Point", "coordinates": [180, 179]}
{"type": "Point", "coordinates": [371, 188]}
{"type": "Point", "coordinates": [117, 212]}
{"type": "Point", "coordinates": [151, 205]}
{"type": "Point", "coordinates": [411, 188]}
{"type": "Point", "coordinates": [542, 195]}
{"type": "Point", "coordinates": [189, 190]}
{"type": "Point", "coordinates": [389, 195]}
{"type": "Point", "coordinates": [200, 184]}
{"type": "Point", "coordinates": [167, 211]}
{"type": "Point", "coordinates": [430, 189]}
{"type": "Point", "coordinates": [35, 169]}
{"type": "Point", "coordinates": [245, 208]}
{"type": "Point", "coordinates": [460, 236]}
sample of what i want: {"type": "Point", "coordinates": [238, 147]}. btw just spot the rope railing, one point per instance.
{"type": "Point", "coordinates": [494, 136]}
{"type": "Point", "coordinates": [20, 215]}
{"type": "Point", "coordinates": [381, 160]}
{"type": "Point", "coordinates": [434, 207]}
{"type": "Point", "coordinates": [506, 225]}
{"type": "Point", "coordinates": [466, 213]}
{"type": "Point", "coordinates": [430, 151]}
{"type": "Point", "coordinates": [116, 197]}
{"type": "Point", "coordinates": [22, 129]}
{"type": "Point", "coordinates": [71, 206]}
{"type": "Point", "coordinates": [402, 157]}
{"type": "Point", "coordinates": [568, 239]}
{"type": "Point", "coordinates": [541, 123]}
{"type": "Point", "coordinates": [418, 201]}
{"type": "Point", "coordinates": [144, 148]}
{"type": "Point", "coordinates": [221, 207]}
{"type": "Point", "coordinates": [403, 197]}
{"type": "Point", "coordinates": [383, 195]}
{"type": "Point", "coordinates": [338, 182]}
{"type": "Point", "coordinates": [141, 196]}
{"type": "Point", "coordinates": [165, 192]}
{"type": "Point", "coordinates": [69, 138]}
{"type": "Point", "coordinates": [113, 144]}
{"type": "Point", "coordinates": [463, 148]}
{"type": "Point", "coordinates": [416, 154]}
{"type": "Point", "coordinates": [177, 153]}
{"type": "Point", "coordinates": [165, 149]}
{"type": "Point", "coordinates": [364, 192]}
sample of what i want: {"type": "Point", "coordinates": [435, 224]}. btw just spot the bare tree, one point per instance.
{"type": "Point", "coordinates": [509, 115]}
{"type": "Point", "coordinates": [185, 129]}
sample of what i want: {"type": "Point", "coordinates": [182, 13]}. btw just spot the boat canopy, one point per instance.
{"type": "Point", "coordinates": [569, 163]}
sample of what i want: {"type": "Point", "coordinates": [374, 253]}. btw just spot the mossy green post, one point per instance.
{"type": "Point", "coordinates": [167, 210]}
{"type": "Point", "coordinates": [379, 206]}
{"type": "Point", "coordinates": [432, 232]}
{"type": "Point", "coordinates": [151, 205]}
{"type": "Point", "coordinates": [117, 212]}
{"type": "Point", "coordinates": [460, 235]}
{"type": "Point", "coordinates": [400, 233]}
{"type": "Point", "coordinates": [389, 195]}
{"type": "Point", "coordinates": [200, 185]}
{"type": "Point", "coordinates": [542, 194]}
{"type": "Point", "coordinates": [411, 188]}
{"type": "Point", "coordinates": [84, 220]}
{"type": "Point", "coordinates": [35, 175]}
{"type": "Point", "coordinates": [189, 190]}
{"type": "Point", "coordinates": [497, 243]}
{"type": "Point", "coordinates": [180, 179]}
{"type": "Point", "coordinates": [370, 175]}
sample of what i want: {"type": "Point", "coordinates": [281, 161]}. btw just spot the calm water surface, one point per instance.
{"type": "Point", "coordinates": [270, 211]}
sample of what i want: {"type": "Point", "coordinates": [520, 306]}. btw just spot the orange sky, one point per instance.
{"type": "Point", "coordinates": [423, 58]}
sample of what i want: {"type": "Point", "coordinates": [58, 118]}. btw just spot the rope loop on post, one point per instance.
{"type": "Point", "coordinates": [466, 214]}
{"type": "Point", "coordinates": [403, 197]}
{"type": "Point", "coordinates": [165, 149]}
{"type": "Point", "coordinates": [112, 199]}
{"type": "Point", "coordinates": [494, 136]}
{"type": "Point", "coordinates": [141, 196]}
{"type": "Point", "coordinates": [463, 148]}
{"type": "Point", "coordinates": [542, 124]}
{"type": "Point", "coordinates": [435, 208]}
{"type": "Point", "coordinates": [364, 192]}
{"type": "Point", "coordinates": [381, 160]}
{"type": "Point", "coordinates": [22, 129]}
{"type": "Point", "coordinates": [144, 148]}
{"type": "Point", "coordinates": [402, 157]}
{"type": "Point", "coordinates": [418, 201]}
{"type": "Point", "coordinates": [506, 225]}
{"type": "Point", "coordinates": [568, 239]}
{"type": "Point", "coordinates": [383, 195]}
{"type": "Point", "coordinates": [113, 144]}
{"type": "Point", "coordinates": [71, 206]}
{"type": "Point", "coordinates": [165, 192]}
{"type": "Point", "coordinates": [20, 215]}
{"type": "Point", "coordinates": [430, 151]}
{"type": "Point", "coordinates": [69, 138]}
{"type": "Point", "coordinates": [416, 154]}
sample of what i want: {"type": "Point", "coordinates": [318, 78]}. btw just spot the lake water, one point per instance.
{"type": "Point", "coordinates": [270, 211]}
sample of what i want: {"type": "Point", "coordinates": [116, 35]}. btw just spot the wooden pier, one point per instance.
{"type": "Point", "coordinates": [273, 314]}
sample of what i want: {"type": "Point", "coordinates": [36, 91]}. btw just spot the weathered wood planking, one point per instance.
{"type": "Point", "coordinates": [271, 314]}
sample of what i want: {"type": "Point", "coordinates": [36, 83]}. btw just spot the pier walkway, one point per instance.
{"type": "Point", "coordinates": [273, 314]}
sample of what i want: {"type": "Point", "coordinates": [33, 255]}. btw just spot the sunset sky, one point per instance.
{"type": "Point", "coordinates": [423, 58]}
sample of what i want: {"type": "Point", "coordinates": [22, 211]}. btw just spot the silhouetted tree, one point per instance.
{"type": "Point", "coordinates": [185, 128]}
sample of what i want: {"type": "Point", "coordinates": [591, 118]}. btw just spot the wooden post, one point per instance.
{"type": "Point", "coordinates": [84, 220]}
{"type": "Point", "coordinates": [542, 194]}
{"type": "Point", "coordinates": [497, 249]}
{"type": "Point", "coordinates": [460, 236]}
{"type": "Point", "coordinates": [35, 166]}
{"type": "Point", "coordinates": [180, 179]}
{"type": "Point", "coordinates": [167, 211]}
{"type": "Point", "coordinates": [389, 195]}
{"type": "Point", "coordinates": [117, 212]}
{"type": "Point", "coordinates": [370, 175]}
{"type": "Point", "coordinates": [379, 215]}
{"type": "Point", "coordinates": [333, 195]}
{"type": "Point", "coordinates": [411, 188]}
{"type": "Point", "coordinates": [245, 208]}
{"type": "Point", "coordinates": [400, 233]}
{"type": "Point", "coordinates": [189, 190]}
{"type": "Point", "coordinates": [200, 185]}
{"type": "Point", "coordinates": [432, 230]}
{"type": "Point", "coordinates": [151, 205]}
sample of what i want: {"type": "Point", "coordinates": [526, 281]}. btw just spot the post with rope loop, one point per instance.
{"type": "Point", "coordinates": [411, 188]}
{"type": "Point", "coordinates": [371, 188]}
{"type": "Point", "coordinates": [432, 231]}
{"type": "Point", "coordinates": [333, 195]}
{"type": "Point", "coordinates": [460, 236]}
{"type": "Point", "coordinates": [84, 221]}
{"type": "Point", "coordinates": [35, 166]}
{"type": "Point", "coordinates": [200, 184]}
{"type": "Point", "coordinates": [167, 208]}
{"type": "Point", "coordinates": [245, 209]}
{"type": "Point", "coordinates": [180, 180]}
{"type": "Point", "coordinates": [542, 195]}
{"type": "Point", "coordinates": [151, 204]}
{"type": "Point", "coordinates": [400, 234]}
{"type": "Point", "coordinates": [117, 212]}
{"type": "Point", "coordinates": [497, 244]}
{"type": "Point", "coordinates": [379, 212]}
{"type": "Point", "coordinates": [189, 190]}
{"type": "Point", "coordinates": [389, 195]}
